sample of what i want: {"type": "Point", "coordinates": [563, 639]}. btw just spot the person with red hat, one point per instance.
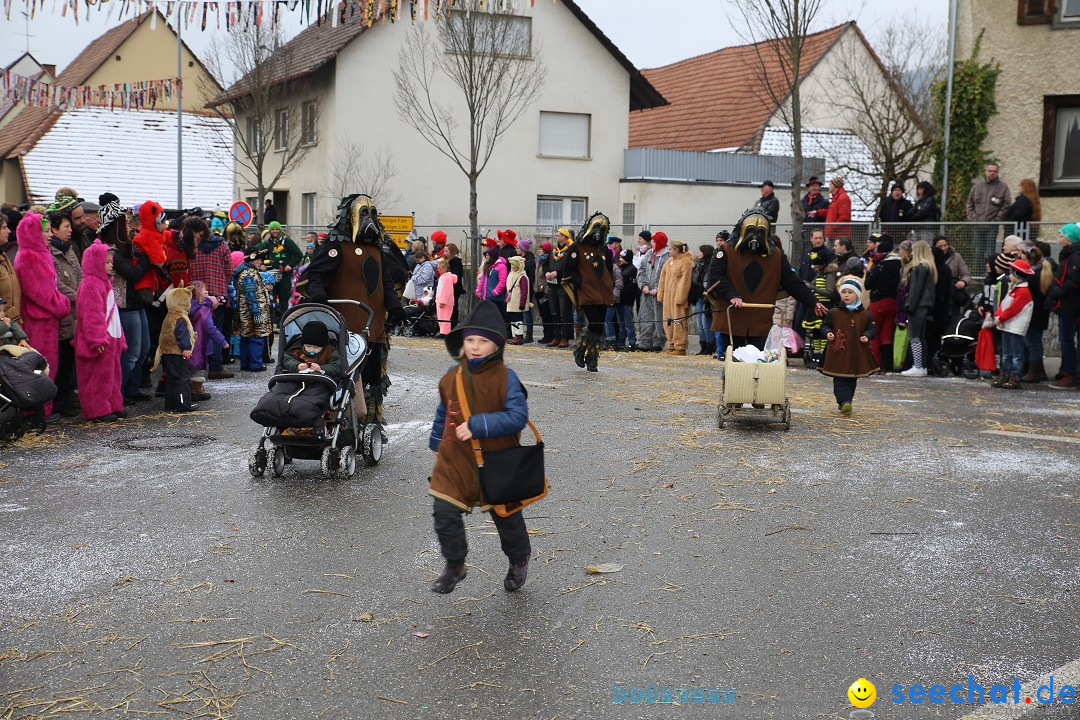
{"type": "Point", "coordinates": [507, 244]}
{"type": "Point", "coordinates": [1012, 318]}
{"type": "Point", "coordinates": [651, 336]}
{"type": "Point", "coordinates": [438, 242]}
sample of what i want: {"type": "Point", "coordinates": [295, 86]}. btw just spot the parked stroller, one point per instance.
{"type": "Point", "coordinates": [311, 416]}
{"type": "Point", "coordinates": [25, 387]}
{"type": "Point", "coordinates": [957, 352]}
{"type": "Point", "coordinates": [420, 319]}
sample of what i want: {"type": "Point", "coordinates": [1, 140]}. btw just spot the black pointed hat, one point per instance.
{"type": "Point", "coordinates": [484, 320]}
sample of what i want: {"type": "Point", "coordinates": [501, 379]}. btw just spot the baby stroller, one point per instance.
{"type": "Point", "coordinates": [312, 416]}
{"type": "Point", "coordinates": [25, 387]}
{"type": "Point", "coordinates": [420, 320]}
{"type": "Point", "coordinates": [957, 352]}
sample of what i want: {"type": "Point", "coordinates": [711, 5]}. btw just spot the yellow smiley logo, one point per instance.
{"type": "Point", "coordinates": [862, 693]}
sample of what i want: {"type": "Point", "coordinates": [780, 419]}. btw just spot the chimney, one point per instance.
{"type": "Point", "coordinates": [49, 70]}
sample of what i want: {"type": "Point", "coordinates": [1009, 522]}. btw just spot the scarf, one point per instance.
{"type": "Point", "coordinates": [61, 245]}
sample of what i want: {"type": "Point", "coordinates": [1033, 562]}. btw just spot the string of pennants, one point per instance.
{"type": "Point", "coordinates": [226, 14]}
{"type": "Point", "coordinates": [127, 96]}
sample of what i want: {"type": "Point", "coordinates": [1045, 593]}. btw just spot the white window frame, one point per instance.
{"type": "Point", "coordinates": [254, 135]}
{"type": "Point", "coordinates": [551, 152]}
{"type": "Point", "coordinates": [309, 206]}
{"type": "Point", "coordinates": [281, 129]}
{"type": "Point", "coordinates": [568, 216]}
{"type": "Point", "coordinates": [309, 122]}
{"type": "Point", "coordinates": [1070, 20]}
{"type": "Point", "coordinates": [524, 20]}
{"type": "Point", "coordinates": [629, 213]}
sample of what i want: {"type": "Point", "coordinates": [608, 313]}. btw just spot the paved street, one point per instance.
{"type": "Point", "coordinates": [932, 536]}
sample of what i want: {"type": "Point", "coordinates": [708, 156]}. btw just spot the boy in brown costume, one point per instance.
{"type": "Point", "coordinates": [498, 412]}
{"type": "Point", "coordinates": [849, 329]}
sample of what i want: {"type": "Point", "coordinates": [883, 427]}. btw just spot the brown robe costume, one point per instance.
{"type": "Point", "coordinates": [756, 279]}
{"type": "Point", "coordinates": [846, 355]}
{"type": "Point", "coordinates": [591, 274]}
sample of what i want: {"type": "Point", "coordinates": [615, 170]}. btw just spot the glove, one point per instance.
{"type": "Point", "coordinates": [396, 315]}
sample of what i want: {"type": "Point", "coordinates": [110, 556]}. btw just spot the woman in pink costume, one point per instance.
{"type": "Point", "coordinates": [43, 305]}
{"type": "Point", "coordinates": [444, 297]}
{"type": "Point", "coordinates": [99, 339]}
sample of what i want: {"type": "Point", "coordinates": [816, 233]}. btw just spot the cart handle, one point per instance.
{"type": "Point", "coordinates": [756, 306]}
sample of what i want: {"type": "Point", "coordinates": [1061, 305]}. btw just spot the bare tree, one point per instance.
{"type": "Point", "coordinates": [465, 88]}
{"type": "Point", "coordinates": [778, 30]}
{"type": "Point", "coordinates": [261, 106]}
{"type": "Point", "coordinates": [355, 170]}
{"type": "Point", "coordinates": [890, 99]}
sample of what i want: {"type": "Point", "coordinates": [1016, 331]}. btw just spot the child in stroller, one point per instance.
{"type": "Point", "coordinates": [420, 320]}
{"type": "Point", "coordinates": [309, 411]}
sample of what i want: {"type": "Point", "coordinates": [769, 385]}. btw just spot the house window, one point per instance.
{"type": "Point", "coordinates": [1061, 145]}
{"type": "Point", "coordinates": [1069, 12]}
{"type": "Point", "coordinates": [555, 211]}
{"type": "Point", "coordinates": [1034, 12]}
{"type": "Point", "coordinates": [564, 135]}
{"type": "Point", "coordinates": [309, 120]}
{"type": "Point", "coordinates": [628, 212]}
{"type": "Point", "coordinates": [307, 202]}
{"type": "Point", "coordinates": [255, 138]}
{"type": "Point", "coordinates": [486, 33]}
{"type": "Point", "coordinates": [281, 129]}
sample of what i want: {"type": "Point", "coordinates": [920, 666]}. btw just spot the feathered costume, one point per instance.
{"type": "Point", "coordinates": [587, 265]}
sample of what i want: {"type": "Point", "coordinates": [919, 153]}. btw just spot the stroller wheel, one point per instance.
{"type": "Point", "coordinates": [257, 462]}
{"type": "Point", "coordinates": [971, 370]}
{"type": "Point", "coordinates": [940, 366]}
{"type": "Point", "coordinates": [372, 446]}
{"type": "Point", "coordinates": [347, 463]}
{"type": "Point", "coordinates": [329, 462]}
{"type": "Point", "coordinates": [278, 468]}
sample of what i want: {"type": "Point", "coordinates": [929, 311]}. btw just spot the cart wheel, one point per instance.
{"type": "Point", "coordinates": [787, 414]}
{"type": "Point", "coordinates": [347, 463]}
{"type": "Point", "coordinates": [257, 462]}
{"type": "Point", "coordinates": [278, 468]}
{"type": "Point", "coordinates": [940, 367]}
{"type": "Point", "coordinates": [971, 370]}
{"type": "Point", "coordinates": [372, 446]}
{"type": "Point", "coordinates": [329, 462]}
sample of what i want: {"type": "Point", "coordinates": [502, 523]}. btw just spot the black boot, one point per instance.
{"type": "Point", "coordinates": [529, 337]}
{"type": "Point", "coordinates": [450, 577]}
{"type": "Point", "coordinates": [579, 353]}
{"type": "Point", "coordinates": [515, 576]}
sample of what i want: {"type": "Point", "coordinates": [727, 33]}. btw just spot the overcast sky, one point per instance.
{"type": "Point", "coordinates": [650, 32]}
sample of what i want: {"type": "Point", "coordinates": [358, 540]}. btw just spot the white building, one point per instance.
{"type": "Point", "coordinates": [560, 161]}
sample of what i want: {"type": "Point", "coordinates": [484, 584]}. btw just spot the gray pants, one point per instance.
{"type": "Point", "coordinates": [650, 324]}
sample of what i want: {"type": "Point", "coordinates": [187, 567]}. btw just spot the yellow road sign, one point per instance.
{"type": "Point", "coordinates": [398, 227]}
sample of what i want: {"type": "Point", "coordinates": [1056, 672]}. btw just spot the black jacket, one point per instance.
{"type": "Point", "coordinates": [630, 290]}
{"type": "Point", "coordinates": [925, 209]}
{"type": "Point", "coordinates": [883, 277]}
{"type": "Point", "coordinates": [920, 292]}
{"type": "Point", "coordinates": [892, 210]}
{"type": "Point", "coordinates": [1020, 210]}
{"type": "Point", "coordinates": [770, 206]}
{"type": "Point", "coordinates": [806, 270]}
{"type": "Point", "coordinates": [820, 203]}
{"type": "Point", "coordinates": [132, 267]}
{"type": "Point", "coordinates": [458, 268]}
{"type": "Point", "coordinates": [1064, 295]}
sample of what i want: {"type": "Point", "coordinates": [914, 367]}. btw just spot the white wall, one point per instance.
{"type": "Point", "coordinates": [581, 77]}
{"type": "Point", "coordinates": [678, 203]}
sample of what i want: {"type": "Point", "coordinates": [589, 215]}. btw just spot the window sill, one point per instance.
{"type": "Point", "coordinates": [309, 144]}
{"type": "Point", "coordinates": [561, 157]}
{"type": "Point", "coordinates": [1059, 190]}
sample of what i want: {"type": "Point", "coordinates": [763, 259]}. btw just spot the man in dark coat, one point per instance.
{"type": "Point", "coordinates": [354, 263]}
{"type": "Point", "coordinates": [753, 271]}
{"type": "Point", "coordinates": [815, 206]}
{"type": "Point", "coordinates": [895, 209]}
{"type": "Point", "coordinates": [768, 204]}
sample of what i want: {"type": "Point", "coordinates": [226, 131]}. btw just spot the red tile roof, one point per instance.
{"type": "Point", "coordinates": [718, 100]}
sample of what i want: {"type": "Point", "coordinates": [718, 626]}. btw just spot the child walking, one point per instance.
{"type": "Point", "coordinates": [445, 297]}
{"type": "Point", "coordinates": [497, 413]}
{"type": "Point", "coordinates": [99, 339]}
{"type": "Point", "coordinates": [1013, 317]}
{"type": "Point", "coordinates": [848, 328]}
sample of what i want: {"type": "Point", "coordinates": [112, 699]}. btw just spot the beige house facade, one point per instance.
{"type": "Point", "coordinates": [560, 161]}
{"type": "Point", "coordinates": [1036, 133]}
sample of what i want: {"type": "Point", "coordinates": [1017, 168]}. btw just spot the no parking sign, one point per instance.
{"type": "Point", "coordinates": [240, 212]}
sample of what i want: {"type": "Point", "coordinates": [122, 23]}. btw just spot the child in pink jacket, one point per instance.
{"type": "Point", "coordinates": [99, 339]}
{"type": "Point", "coordinates": [444, 296]}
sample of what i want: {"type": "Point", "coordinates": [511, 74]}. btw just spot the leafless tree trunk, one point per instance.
{"type": "Point", "coordinates": [779, 29]}
{"type": "Point", "coordinates": [891, 102]}
{"type": "Point", "coordinates": [355, 170]}
{"type": "Point", "coordinates": [465, 87]}
{"type": "Point", "coordinates": [263, 113]}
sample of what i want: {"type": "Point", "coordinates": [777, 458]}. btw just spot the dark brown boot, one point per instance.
{"type": "Point", "coordinates": [1013, 383]}
{"type": "Point", "coordinates": [449, 578]}
{"type": "Point", "coordinates": [1036, 373]}
{"type": "Point", "coordinates": [999, 381]}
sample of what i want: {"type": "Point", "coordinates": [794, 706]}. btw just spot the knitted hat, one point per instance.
{"type": "Point", "coordinates": [837, 181]}
{"type": "Point", "coordinates": [485, 320]}
{"type": "Point", "coordinates": [660, 240]}
{"type": "Point", "coordinates": [509, 237]}
{"type": "Point", "coordinates": [545, 246]}
{"type": "Point", "coordinates": [851, 283]}
{"type": "Point", "coordinates": [274, 225]}
{"type": "Point", "coordinates": [627, 255]}
{"type": "Point", "coordinates": [237, 257]}
{"type": "Point", "coordinates": [216, 225]}
{"type": "Point", "coordinates": [645, 235]}
{"type": "Point", "coordinates": [1072, 232]}
{"type": "Point", "coordinates": [315, 333]}
{"type": "Point", "coordinates": [438, 237]}
{"type": "Point", "coordinates": [525, 244]}
{"type": "Point", "coordinates": [109, 212]}
{"type": "Point", "coordinates": [565, 233]}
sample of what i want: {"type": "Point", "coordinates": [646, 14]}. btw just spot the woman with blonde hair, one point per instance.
{"type": "Point", "coordinates": [919, 276]}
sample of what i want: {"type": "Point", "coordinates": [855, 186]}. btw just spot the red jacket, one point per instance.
{"type": "Point", "coordinates": [839, 212]}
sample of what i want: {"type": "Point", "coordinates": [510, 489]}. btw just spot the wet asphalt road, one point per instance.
{"type": "Point", "coordinates": [143, 570]}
